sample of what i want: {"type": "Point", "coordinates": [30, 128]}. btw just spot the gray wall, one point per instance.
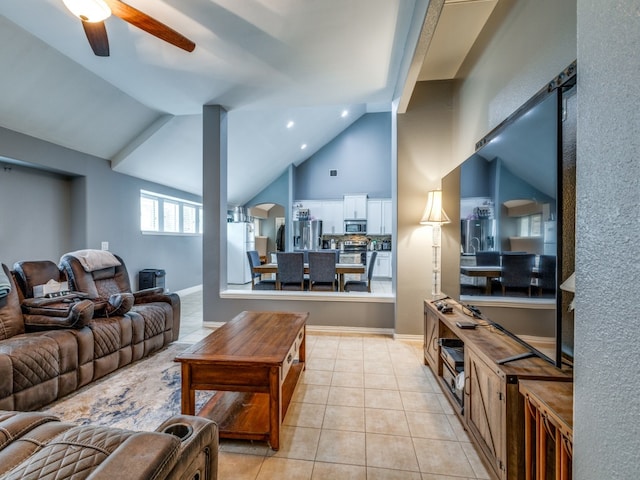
{"type": "Point", "coordinates": [96, 205]}
{"type": "Point", "coordinates": [35, 218]}
{"type": "Point", "coordinates": [361, 155]}
{"type": "Point", "coordinates": [607, 337]}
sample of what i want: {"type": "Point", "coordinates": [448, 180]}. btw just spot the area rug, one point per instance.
{"type": "Point", "coordinates": [137, 397]}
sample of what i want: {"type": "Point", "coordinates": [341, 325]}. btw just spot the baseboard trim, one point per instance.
{"type": "Point", "coordinates": [408, 338]}
{"type": "Point", "coordinates": [190, 290]}
{"type": "Point", "coordinates": [327, 330]}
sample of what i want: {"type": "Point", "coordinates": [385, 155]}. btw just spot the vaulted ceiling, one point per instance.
{"type": "Point", "coordinates": [268, 62]}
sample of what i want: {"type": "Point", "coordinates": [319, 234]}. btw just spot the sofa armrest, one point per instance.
{"type": "Point", "coordinates": [199, 447]}
{"type": "Point", "coordinates": [58, 315]}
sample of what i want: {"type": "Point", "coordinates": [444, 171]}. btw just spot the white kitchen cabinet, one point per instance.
{"type": "Point", "coordinates": [331, 212]}
{"type": "Point", "coordinates": [382, 267]}
{"type": "Point", "coordinates": [355, 207]}
{"type": "Point", "coordinates": [332, 217]}
{"type": "Point", "coordinates": [314, 207]}
{"type": "Point", "coordinates": [379, 217]}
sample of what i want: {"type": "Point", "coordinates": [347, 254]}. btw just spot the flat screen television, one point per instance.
{"type": "Point", "coordinates": [514, 220]}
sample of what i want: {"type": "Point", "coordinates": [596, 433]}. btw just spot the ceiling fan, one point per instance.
{"type": "Point", "coordinates": [93, 13]}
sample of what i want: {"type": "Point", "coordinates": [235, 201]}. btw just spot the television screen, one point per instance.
{"type": "Point", "coordinates": [511, 226]}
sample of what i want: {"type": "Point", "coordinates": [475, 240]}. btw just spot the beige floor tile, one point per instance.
{"type": "Point", "coordinates": [339, 446]}
{"type": "Point", "coordinates": [374, 380]}
{"type": "Point", "coordinates": [331, 471]}
{"type": "Point", "coordinates": [389, 422]}
{"type": "Point", "coordinates": [290, 469]}
{"type": "Point", "coordinates": [238, 466]}
{"type": "Point", "coordinates": [458, 429]}
{"type": "Point", "coordinates": [443, 458]}
{"type": "Point", "coordinates": [377, 398]}
{"type": "Point", "coordinates": [318, 363]}
{"type": "Point", "coordinates": [416, 383]}
{"type": "Point", "coordinates": [433, 476]}
{"type": "Point", "coordinates": [409, 368]}
{"type": "Point", "coordinates": [297, 442]}
{"type": "Point", "coordinates": [421, 402]}
{"type": "Point", "coordinates": [346, 396]}
{"type": "Point", "coordinates": [307, 393]}
{"type": "Point", "coordinates": [474, 460]}
{"type": "Point", "coordinates": [304, 415]}
{"type": "Point", "coordinates": [387, 474]}
{"type": "Point", "coordinates": [391, 452]}
{"type": "Point", "coordinates": [349, 354]}
{"type": "Point", "coordinates": [316, 377]}
{"type": "Point", "coordinates": [339, 417]}
{"type": "Point", "coordinates": [347, 379]}
{"type": "Point", "coordinates": [380, 367]}
{"type": "Point", "coordinates": [430, 425]}
{"type": "Point", "coordinates": [342, 365]}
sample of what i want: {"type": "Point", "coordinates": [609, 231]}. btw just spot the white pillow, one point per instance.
{"type": "Point", "coordinates": [93, 260]}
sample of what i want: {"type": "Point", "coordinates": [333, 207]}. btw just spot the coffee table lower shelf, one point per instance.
{"type": "Point", "coordinates": [245, 415]}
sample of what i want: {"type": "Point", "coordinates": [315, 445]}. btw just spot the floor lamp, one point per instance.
{"type": "Point", "coordinates": [435, 216]}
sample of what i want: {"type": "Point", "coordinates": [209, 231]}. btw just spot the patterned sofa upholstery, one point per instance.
{"type": "Point", "coordinates": [51, 347]}
{"type": "Point", "coordinates": [35, 446]}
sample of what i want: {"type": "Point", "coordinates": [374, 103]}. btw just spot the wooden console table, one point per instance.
{"type": "Point", "coordinates": [489, 403]}
{"type": "Point", "coordinates": [251, 362]}
{"type": "Point", "coordinates": [548, 423]}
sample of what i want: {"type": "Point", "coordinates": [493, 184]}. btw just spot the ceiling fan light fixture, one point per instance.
{"type": "Point", "coordinates": [89, 10]}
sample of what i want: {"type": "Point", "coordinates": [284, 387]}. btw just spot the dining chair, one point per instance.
{"type": "Point", "coordinates": [322, 271]}
{"type": "Point", "coordinates": [487, 258]}
{"type": "Point", "coordinates": [359, 285]}
{"type": "Point", "coordinates": [257, 283]}
{"type": "Point", "coordinates": [290, 270]}
{"type": "Point", "coordinates": [517, 271]}
{"type": "Point", "coordinates": [546, 273]}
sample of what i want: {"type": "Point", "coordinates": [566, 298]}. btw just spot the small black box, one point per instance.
{"type": "Point", "coordinates": [151, 278]}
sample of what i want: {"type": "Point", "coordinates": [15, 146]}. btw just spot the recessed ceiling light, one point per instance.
{"type": "Point", "coordinates": [344, 113]}
{"type": "Point", "coordinates": [303, 146]}
{"type": "Point", "coordinates": [290, 124]}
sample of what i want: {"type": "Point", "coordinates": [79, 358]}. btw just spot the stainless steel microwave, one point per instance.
{"type": "Point", "coordinates": [355, 226]}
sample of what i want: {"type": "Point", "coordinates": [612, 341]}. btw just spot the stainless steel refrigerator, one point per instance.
{"type": "Point", "coordinates": [240, 239]}
{"type": "Point", "coordinates": [307, 234]}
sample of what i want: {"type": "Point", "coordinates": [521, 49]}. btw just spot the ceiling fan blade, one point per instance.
{"type": "Point", "coordinates": [97, 35]}
{"type": "Point", "coordinates": [150, 25]}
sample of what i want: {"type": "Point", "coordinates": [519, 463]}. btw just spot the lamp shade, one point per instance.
{"type": "Point", "coordinates": [88, 10]}
{"type": "Point", "coordinates": [433, 212]}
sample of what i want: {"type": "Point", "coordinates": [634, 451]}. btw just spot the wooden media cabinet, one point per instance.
{"type": "Point", "coordinates": [487, 400]}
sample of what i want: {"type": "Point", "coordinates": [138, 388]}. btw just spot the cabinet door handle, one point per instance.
{"type": "Point", "coordinates": [289, 358]}
{"type": "Point", "coordinates": [466, 383]}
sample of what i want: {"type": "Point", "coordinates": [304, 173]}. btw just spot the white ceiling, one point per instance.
{"type": "Point", "coordinates": [265, 61]}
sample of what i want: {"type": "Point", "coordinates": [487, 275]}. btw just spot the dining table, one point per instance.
{"type": "Point", "coordinates": [342, 269]}
{"type": "Point", "coordinates": [488, 271]}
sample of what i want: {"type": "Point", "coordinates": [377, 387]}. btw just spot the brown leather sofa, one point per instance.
{"type": "Point", "coordinates": [51, 347]}
{"type": "Point", "coordinates": [34, 446]}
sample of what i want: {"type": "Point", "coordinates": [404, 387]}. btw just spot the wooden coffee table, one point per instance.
{"type": "Point", "coordinates": [251, 363]}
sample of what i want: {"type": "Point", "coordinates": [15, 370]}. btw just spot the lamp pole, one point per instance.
{"type": "Point", "coordinates": [435, 216]}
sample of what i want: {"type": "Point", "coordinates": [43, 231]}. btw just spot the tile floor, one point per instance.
{"type": "Point", "coordinates": [365, 408]}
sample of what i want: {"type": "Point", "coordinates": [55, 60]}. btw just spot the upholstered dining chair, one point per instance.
{"type": "Point", "coordinates": [546, 273]}
{"type": "Point", "coordinates": [517, 271]}
{"type": "Point", "coordinates": [257, 283]}
{"type": "Point", "coordinates": [322, 271]}
{"type": "Point", "coordinates": [358, 285]}
{"type": "Point", "coordinates": [291, 270]}
{"type": "Point", "coordinates": [487, 258]}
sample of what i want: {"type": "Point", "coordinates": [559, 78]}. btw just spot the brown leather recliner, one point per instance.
{"type": "Point", "coordinates": [106, 344]}
{"type": "Point", "coordinates": [35, 445]}
{"type": "Point", "coordinates": [160, 311]}
{"type": "Point", "coordinates": [38, 367]}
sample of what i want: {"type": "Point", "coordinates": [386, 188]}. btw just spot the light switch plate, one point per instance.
{"type": "Point", "coordinates": [105, 246]}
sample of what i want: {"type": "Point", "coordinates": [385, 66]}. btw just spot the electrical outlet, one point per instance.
{"type": "Point", "coordinates": [105, 246]}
